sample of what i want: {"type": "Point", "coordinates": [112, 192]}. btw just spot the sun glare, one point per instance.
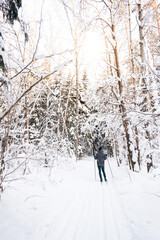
{"type": "Point", "coordinates": [93, 48]}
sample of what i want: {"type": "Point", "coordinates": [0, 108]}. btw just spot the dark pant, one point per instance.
{"type": "Point", "coordinates": [101, 169]}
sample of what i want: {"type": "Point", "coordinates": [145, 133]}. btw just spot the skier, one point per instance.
{"type": "Point", "coordinates": [101, 157]}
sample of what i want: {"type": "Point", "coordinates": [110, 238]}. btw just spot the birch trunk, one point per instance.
{"type": "Point", "coordinates": [4, 145]}
{"type": "Point", "coordinates": [122, 107]}
{"type": "Point", "coordinates": [135, 129]}
{"type": "Point", "coordinates": [157, 17]}
{"type": "Point", "coordinates": [143, 84]}
{"type": "Point", "coordinates": [143, 103]}
{"type": "Point", "coordinates": [77, 107]}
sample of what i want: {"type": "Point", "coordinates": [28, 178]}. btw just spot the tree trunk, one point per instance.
{"type": "Point", "coordinates": [66, 110]}
{"type": "Point", "coordinates": [108, 55]}
{"type": "Point", "coordinates": [122, 108]}
{"type": "Point", "coordinates": [133, 82]}
{"type": "Point", "coordinates": [143, 84]}
{"type": "Point", "coordinates": [4, 145]}
{"type": "Point", "coordinates": [143, 103]}
{"type": "Point", "coordinates": [115, 152]}
{"type": "Point", "coordinates": [77, 107]}
{"type": "Point", "coordinates": [157, 17]}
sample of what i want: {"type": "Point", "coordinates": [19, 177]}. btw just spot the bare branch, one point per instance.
{"type": "Point", "coordinates": [29, 89]}
{"type": "Point", "coordinates": [39, 34]}
{"type": "Point", "coordinates": [22, 69]}
{"type": "Point", "coordinates": [14, 169]}
{"type": "Point", "coordinates": [101, 19]}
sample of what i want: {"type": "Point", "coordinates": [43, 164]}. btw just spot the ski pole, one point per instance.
{"type": "Point", "coordinates": [94, 169]}
{"type": "Point", "coordinates": [94, 160]}
{"type": "Point", "coordinates": [110, 167]}
{"type": "Point", "coordinates": [129, 175]}
{"type": "Point", "coordinates": [94, 163]}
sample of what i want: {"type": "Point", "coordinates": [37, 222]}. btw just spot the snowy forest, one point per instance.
{"type": "Point", "coordinates": [76, 75]}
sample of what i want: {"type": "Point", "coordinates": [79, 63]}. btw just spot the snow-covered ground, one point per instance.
{"type": "Point", "coordinates": [71, 205]}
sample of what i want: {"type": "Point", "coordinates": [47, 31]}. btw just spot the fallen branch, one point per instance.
{"type": "Point", "coordinates": [33, 196]}
{"type": "Point", "coordinates": [156, 195]}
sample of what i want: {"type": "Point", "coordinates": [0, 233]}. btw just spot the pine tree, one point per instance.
{"type": "Point", "coordinates": [84, 82]}
{"type": "Point", "coordinates": [9, 8]}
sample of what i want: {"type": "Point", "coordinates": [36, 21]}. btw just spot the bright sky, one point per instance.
{"type": "Point", "coordinates": [93, 48]}
{"type": "Point", "coordinates": [57, 35]}
{"type": "Point", "coordinates": [93, 53]}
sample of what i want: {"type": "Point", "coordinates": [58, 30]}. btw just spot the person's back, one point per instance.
{"type": "Point", "coordinates": [101, 157]}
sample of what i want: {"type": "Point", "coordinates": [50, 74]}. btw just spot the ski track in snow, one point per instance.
{"type": "Point", "coordinates": [76, 208]}
{"type": "Point", "coordinates": [89, 213]}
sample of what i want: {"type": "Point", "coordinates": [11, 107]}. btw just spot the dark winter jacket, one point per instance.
{"type": "Point", "coordinates": [100, 157]}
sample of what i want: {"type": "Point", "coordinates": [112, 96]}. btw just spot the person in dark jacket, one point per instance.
{"type": "Point", "coordinates": [101, 157]}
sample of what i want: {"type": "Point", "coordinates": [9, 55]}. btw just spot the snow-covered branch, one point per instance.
{"type": "Point", "coordinates": [30, 88]}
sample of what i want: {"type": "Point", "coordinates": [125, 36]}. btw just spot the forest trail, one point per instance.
{"type": "Point", "coordinates": [87, 209]}
{"type": "Point", "coordinates": [72, 205]}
